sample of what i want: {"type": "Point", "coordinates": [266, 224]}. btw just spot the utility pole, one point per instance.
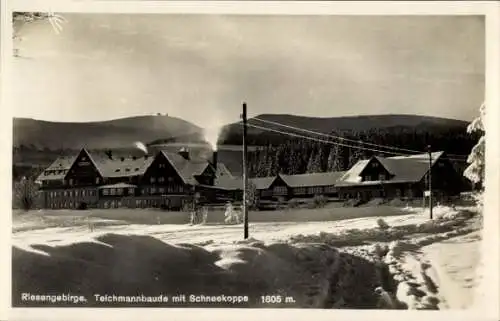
{"type": "Point", "coordinates": [430, 180]}
{"type": "Point", "coordinates": [245, 174]}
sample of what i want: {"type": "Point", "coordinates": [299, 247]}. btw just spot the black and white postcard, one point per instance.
{"type": "Point", "coordinates": [215, 157]}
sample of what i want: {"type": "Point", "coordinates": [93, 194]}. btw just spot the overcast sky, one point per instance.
{"type": "Point", "coordinates": [201, 68]}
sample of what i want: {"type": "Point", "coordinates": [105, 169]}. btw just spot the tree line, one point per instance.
{"type": "Point", "coordinates": [292, 155]}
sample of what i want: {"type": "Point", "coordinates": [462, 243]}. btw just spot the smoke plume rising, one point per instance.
{"type": "Point", "coordinates": [141, 146]}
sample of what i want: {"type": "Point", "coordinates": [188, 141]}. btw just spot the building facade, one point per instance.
{"type": "Point", "coordinates": [400, 177]}
{"type": "Point", "coordinates": [105, 180]}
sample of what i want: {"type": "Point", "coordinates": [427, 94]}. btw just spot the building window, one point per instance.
{"type": "Point", "coordinates": [330, 189]}
{"type": "Point", "coordinates": [153, 190]}
{"type": "Point", "coordinates": [143, 191]}
{"type": "Point", "coordinates": [366, 178]}
{"type": "Point", "coordinates": [105, 191]}
{"type": "Point", "coordinates": [70, 181]}
{"type": "Point", "coordinates": [97, 180]}
{"type": "Point", "coordinates": [119, 204]}
{"type": "Point", "coordinates": [152, 180]}
{"type": "Point", "coordinates": [170, 179]}
{"type": "Point", "coordinates": [315, 190]}
{"type": "Point", "coordinates": [161, 179]}
{"type": "Point", "coordinates": [300, 191]}
{"type": "Point", "coordinates": [131, 191]}
{"type": "Point", "coordinates": [112, 191]}
{"type": "Point", "coordinates": [119, 191]}
{"type": "Point", "coordinates": [374, 164]}
{"type": "Point", "coordinates": [161, 166]}
{"type": "Point", "coordinates": [280, 190]}
{"type": "Point", "coordinates": [161, 190]}
{"type": "Point", "coordinates": [381, 177]}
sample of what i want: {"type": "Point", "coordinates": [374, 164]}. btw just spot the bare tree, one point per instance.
{"type": "Point", "coordinates": [25, 194]}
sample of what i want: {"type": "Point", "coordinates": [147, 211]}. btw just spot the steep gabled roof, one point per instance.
{"type": "Point", "coordinates": [121, 165]}
{"type": "Point", "coordinates": [262, 182]}
{"type": "Point", "coordinates": [187, 169]}
{"type": "Point", "coordinates": [58, 169]}
{"type": "Point", "coordinates": [124, 165]}
{"type": "Point", "coordinates": [223, 171]}
{"type": "Point", "coordinates": [352, 176]}
{"type": "Point", "coordinates": [312, 179]}
{"type": "Point", "coordinates": [404, 169]}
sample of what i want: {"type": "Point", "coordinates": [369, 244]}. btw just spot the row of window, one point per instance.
{"type": "Point", "coordinates": [55, 172]}
{"type": "Point", "coordinates": [117, 191]}
{"type": "Point", "coordinates": [283, 190]}
{"type": "Point", "coordinates": [161, 190]}
{"type": "Point", "coordinates": [132, 203]}
{"type": "Point", "coordinates": [377, 193]}
{"type": "Point", "coordinates": [161, 179]}
{"type": "Point", "coordinates": [145, 191]}
{"type": "Point", "coordinates": [65, 204]}
{"type": "Point", "coordinates": [368, 178]}
{"type": "Point", "coordinates": [72, 193]}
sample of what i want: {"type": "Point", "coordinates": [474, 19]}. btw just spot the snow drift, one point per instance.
{"type": "Point", "coordinates": [314, 275]}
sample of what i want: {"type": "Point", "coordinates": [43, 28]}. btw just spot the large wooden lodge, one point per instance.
{"type": "Point", "coordinates": [105, 180]}
{"type": "Point", "coordinates": [173, 180]}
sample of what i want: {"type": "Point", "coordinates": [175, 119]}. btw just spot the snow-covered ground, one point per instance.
{"type": "Point", "coordinates": [336, 264]}
{"type": "Point", "coordinates": [177, 233]}
{"type": "Point", "coordinates": [452, 265]}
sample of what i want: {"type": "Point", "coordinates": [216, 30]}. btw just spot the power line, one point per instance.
{"type": "Point", "coordinates": [334, 143]}
{"type": "Point", "coordinates": [323, 141]}
{"type": "Point", "coordinates": [341, 138]}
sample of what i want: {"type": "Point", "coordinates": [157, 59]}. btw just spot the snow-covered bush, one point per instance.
{"type": "Point", "coordinates": [382, 224]}
{"type": "Point", "coordinates": [319, 200]}
{"type": "Point", "coordinates": [293, 203]}
{"type": "Point", "coordinates": [232, 216]}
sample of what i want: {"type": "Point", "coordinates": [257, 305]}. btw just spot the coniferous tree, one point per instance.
{"type": "Point", "coordinates": [476, 160]}
{"type": "Point", "coordinates": [295, 161]}
{"type": "Point", "coordinates": [319, 161]}
{"type": "Point", "coordinates": [354, 155]}
{"type": "Point", "coordinates": [310, 163]}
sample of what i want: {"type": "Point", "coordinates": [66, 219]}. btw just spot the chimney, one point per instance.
{"type": "Point", "coordinates": [214, 160]}
{"type": "Point", "coordinates": [184, 152]}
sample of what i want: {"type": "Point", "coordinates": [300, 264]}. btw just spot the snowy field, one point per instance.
{"type": "Point", "coordinates": [415, 263]}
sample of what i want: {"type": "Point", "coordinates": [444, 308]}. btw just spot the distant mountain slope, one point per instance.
{"type": "Point", "coordinates": [339, 124]}
{"type": "Point", "coordinates": [117, 133]}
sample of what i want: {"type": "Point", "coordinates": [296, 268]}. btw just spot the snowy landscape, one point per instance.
{"type": "Point", "coordinates": [361, 163]}
{"type": "Point", "coordinates": [419, 263]}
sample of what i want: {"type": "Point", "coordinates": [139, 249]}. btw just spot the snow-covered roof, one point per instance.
{"type": "Point", "coordinates": [402, 169]}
